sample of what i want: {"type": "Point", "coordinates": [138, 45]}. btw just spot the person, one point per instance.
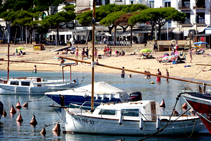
{"type": "Point", "coordinates": [177, 46]}
{"type": "Point", "coordinates": [167, 74]}
{"type": "Point", "coordinates": [21, 52]}
{"type": "Point", "coordinates": [191, 53]}
{"type": "Point", "coordinates": [104, 50]}
{"type": "Point", "coordinates": [35, 69]}
{"type": "Point", "coordinates": [83, 53]}
{"type": "Point", "coordinates": [95, 53]}
{"type": "Point", "coordinates": [130, 76]}
{"type": "Point", "coordinates": [104, 40]}
{"type": "Point", "coordinates": [148, 75]}
{"type": "Point", "coordinates": [87, 52]}
{"type": "Point", "coordinates": [145, 74]}
{"type": "Point", "coordinates": [155, 48]}
{"type": "Point", "coordinates": [76, 52]}
{"type": "Point", "coordinates": [172, 47]}
{"type": "Point", "coordinates": [158, 77]}
{"type": "Point", "coordinates": [110, 52]}
{"type": "Point", "coordinates": [97, 61]}
{"type": "Point", "coordinates": [123, 72]}
{"type": "Point", "coordinates": [62, 61]}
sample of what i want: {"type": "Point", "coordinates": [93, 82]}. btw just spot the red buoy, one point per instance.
{"type": "Point", "coordinates": [4, 114]}
{"type": "Point", "coordinates": [185, 105]}
{"type": "Point", "coordinates": [19, 118]}
{"type": "Point", "coordinates": [175, 113]}
{"type": "Point", "coordinates": [33, 120]}
{"type": "Point", "coordinates": [162, 104]}
{"type": "Point", "coordinates": [18, 105]}
{"type": "Point", "coordinates": [57, 129]}
{"type": "Point", "coordinates": [25, 104]}
{"type": "Point", "coordinates": [12, 110]}
{"type": "Point", "coordinates": [43, 132]}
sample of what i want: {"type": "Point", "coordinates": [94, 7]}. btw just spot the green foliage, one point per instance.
{"type": "Point", "coordinates": [16, 5]}
{"type": "Point", "coordinates": [43, 5]}
{"type": "Point", "coordinates": [110, 19]}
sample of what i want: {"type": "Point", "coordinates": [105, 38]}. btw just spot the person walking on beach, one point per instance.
{"type": "Point", "coordinates": [82, 54]}
{"type": "Point", "coordinates": [167, 74]}
{"type": "Point", "coordinates": [95, 52]}
{"type": "Point", "coordinates": [87, 52]}
{"type": "Point", "coordinates": [76, 52]}
{"type": "Point", "coordinates": [123, 72]}
{"type": "Point", "coordinates": [191, 53]}
{"type": "Point", "coordinates": [155, 48]}
{"type": "Point", "coordinates": [158, 78]}
{"type": "Point", "coordinates": [34, 69]}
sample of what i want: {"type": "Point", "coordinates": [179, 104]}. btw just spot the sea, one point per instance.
{"type": "Point", "coordinates": [47, 116]}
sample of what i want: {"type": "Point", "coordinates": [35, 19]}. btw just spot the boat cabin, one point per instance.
{"type": "Point", "coordinates": [148, 109]}
{"type": "Point", "coordinates": [25, 81]}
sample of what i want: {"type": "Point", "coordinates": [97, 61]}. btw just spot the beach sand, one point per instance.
{"type": "Point", "coordinates": [132, 62]}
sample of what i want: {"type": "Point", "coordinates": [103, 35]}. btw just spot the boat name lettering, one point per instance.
{"type": "Point", "coordinates": [84, 120]}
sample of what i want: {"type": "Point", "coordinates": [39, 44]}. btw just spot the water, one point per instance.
{"type": "Point", "coordinates": [45, 115]}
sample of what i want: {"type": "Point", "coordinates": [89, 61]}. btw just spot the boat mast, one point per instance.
{"type": "Point", "coordinates": [8, 64]}
{"type": "Point", "coordinates": [93, 50]}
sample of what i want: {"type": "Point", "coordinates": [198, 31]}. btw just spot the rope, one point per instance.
{"type": "Point", "coordinates": [37, 99]}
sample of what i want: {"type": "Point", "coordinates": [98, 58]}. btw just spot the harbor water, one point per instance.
{"type": "Point", "coordinates": [48, 116]}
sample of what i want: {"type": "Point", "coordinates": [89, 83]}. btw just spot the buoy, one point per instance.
{"type": "Point", "coordinates": [18, 105]}
{"type": "Point", "coordinates": [158, 123]}
{"type": "Point", "coordinates": [152, 82]}
{"type": "Point", "coordinates": [33, 120]}
{"type": "Point", "coordinates": [12, 110]}
{"type": "Point", "coordinates": [57, 129]}
{"type": "Point", "coordinates": [4, 114]}
{"type": "Point", "coordinates": [43, 132]}
{"type": "Point", "coordinates": [19, 118]}
{"type": "Point", "coordinates": [184, 105]}
{"type": "Point", "coordinates": [162, 104]}
{"type": "Point", "coordinates": [141, 124]}
{"type": "Point", "coordinates": [175, 113]}
{"type": "Point", "coordinates": [25, 104]}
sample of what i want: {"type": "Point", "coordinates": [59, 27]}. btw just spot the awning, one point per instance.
{"type": "Point", "coordinates": [185, 30]}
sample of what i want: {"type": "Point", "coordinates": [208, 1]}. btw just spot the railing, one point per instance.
{"type": "Point", "coordinates": [201, 20]}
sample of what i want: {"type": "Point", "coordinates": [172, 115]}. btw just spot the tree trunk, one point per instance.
{"type": "Point", "coordinates": [110, 29]}
{"type": "Point", "coordinates": [114, 35]}
{"type": "Point", "coordinates": [131, 35]}
{"type": "Point", "coordinates": [159, 35]}
{"type": "Point", "coordinates": [4, 30]}
{"type": "Point", "coordinates": [30, 36]}
{"type": "Point", "coordinates": [152, 30]}
{"type": "Point", "coordinates": [16, 30]}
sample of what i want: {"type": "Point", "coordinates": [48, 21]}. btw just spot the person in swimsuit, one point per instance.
{"type": "Point", "coordinates": [123, 72]}
{"type": "Point", "coordinates": [83, 53]}
{"type": "Point", "coordinates": [158, 78]}
{"type": "Point", "coordinates": [191, 53]}
{"type": "Point", "coordinates": [95, 53]}
{"type": "Point", "coordinates": [34, 69]}
{"type": "Point", "coordinates": [76, 52]}
{"type": "Point", "coordinates": [167, 74]}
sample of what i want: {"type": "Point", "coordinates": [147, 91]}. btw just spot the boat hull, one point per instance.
{"type": "Point", "coordinates": [202, 106]}
{"type": "Point", "coordinates": [84, 124]}
{"type": "Point", "coordinates": [27, 90]}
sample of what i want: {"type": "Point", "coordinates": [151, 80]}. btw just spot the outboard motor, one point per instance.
{"type": "Point", "coordinates": [1, 108]}
{"type": "Point", "coordinates": [135, 96]}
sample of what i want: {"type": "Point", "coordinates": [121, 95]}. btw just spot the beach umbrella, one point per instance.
{"type": "Point", "coordinates": [20, 48]}
{"type": "Point", "coordinates": [198, 44]}
{"type": "Point", "coordinates": [145, 50]}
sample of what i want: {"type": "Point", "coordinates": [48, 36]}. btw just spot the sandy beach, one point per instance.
{"type": "Point", "coordinates": [128, 61]}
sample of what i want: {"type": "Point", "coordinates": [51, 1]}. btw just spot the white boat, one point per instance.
{"type": "Point", "coordinates": [131, 118]}
{"type": "Point", "coordinates": [103, 92]}
{"type": "Point", "coordinates": [34, 85]}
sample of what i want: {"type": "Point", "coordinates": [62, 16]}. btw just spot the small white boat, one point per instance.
{"type": "Point", "coordinates": [34, 85]}
{"type": "Point", "coordinates": [131, 118]}
{"type": "Point", "coordinates": [103, 92]}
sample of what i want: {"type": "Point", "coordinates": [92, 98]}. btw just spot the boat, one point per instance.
{"type": "Point", "coordinates": [130, 118]}
{"type": "Point", "coordinates": [34, 85]}
{"type": "Point", "coordinates": [201, 104]}
{"type": "Point", "coordinates": [103, 92]}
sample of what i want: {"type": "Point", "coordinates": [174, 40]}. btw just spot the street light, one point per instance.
{"type": "Point", "coordinates": [8, 38]}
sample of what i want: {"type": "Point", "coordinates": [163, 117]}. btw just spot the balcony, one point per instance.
{"type": "Point", "coordinates": [187, 23]}
{"type": "Point", "coordinates": [184, 5]}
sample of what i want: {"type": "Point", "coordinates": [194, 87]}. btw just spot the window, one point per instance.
{"type": "Point", "coordinates": [151, 4]}
{"type": "Point", "coordinates": [107, 112]}
{"type": "Point", "coordinates": [118, 0]}
{"type": "Point", "coordinates": [200, 18]}
{"type": "Point", "coordinates": [131, 1]}
{"type": "Point", "coordinates": [131, 112]}
{"type": "Point", "coordinates": [98, 2]}
{"type": "Point", "coordinates": [167, 4]}
{"type": "Point", "coordinates": [14, 83]}
{"type": "Point", "coordinates": [25, 83]}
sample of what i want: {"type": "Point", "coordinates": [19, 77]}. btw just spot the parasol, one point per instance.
{"type": "Point", "coordinates": [145, 50]}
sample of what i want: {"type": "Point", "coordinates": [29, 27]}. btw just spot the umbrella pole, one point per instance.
{"type": "Point", "coordinates": [8, 64]}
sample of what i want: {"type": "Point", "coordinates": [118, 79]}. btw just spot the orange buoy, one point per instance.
{"type": "Point", "coordinates": [4, 114]}
{"type": "Point", "coordinates": [57, 129]}
{"type": "Point", "coordinates": [19, 118]}
{"type": "Point", "coordinates": [25, 104]}
{"type": "Point", "coordinates": [18, 105]}
{"type": "Point", "coordinates": [162, 104]}
{"type": "Point", "coordinates": [12, 110]}
{"type": "Point", "coordinates": [33, 120]}
{"type": "Point", "coordinates": [175, 113]}
{"type": "Point", "coordinates": [43, 132]}
{"type": "Point", "coordinates": [185, 105]}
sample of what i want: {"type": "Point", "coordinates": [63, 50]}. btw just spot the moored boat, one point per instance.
{"type": "Point", "coordinates": [131, 118]}
{"type": "Point", "coordinates": [34, 85]}
{"type": "Point", "coordinates": [103, 92]}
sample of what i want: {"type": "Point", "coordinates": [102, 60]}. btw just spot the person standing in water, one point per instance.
{"type": "Point", "coordinates": [123, 72]}
{"type": "Point", "coordinates": [34, 69]}
{"type": "Point", "coordinates": [167, 74]}
{"type": "Point", "coordinates": [158, 78]}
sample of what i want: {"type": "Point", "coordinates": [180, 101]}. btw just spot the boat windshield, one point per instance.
{"type": "Point", "coordinates": [14, 83]}
{"type": "Point", "coordinates": [25, 83]}
{"type": "Point", "coordinates": [131, 112]}
{"type": "Point", "coordinates": [107, 112]}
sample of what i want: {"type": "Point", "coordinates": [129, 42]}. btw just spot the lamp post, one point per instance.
{"type": "Point", "coordinates": [8, 38]}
